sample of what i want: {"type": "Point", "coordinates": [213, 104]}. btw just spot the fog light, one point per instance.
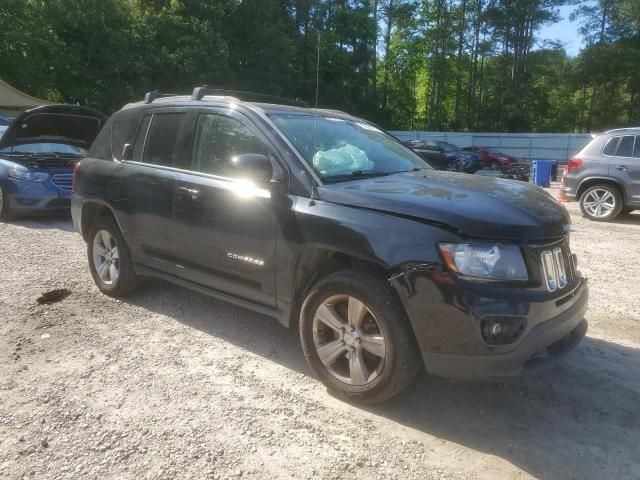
{"type": "Point", "coordinates": [501, 330]}
{"type": "Point", "coordinates": [495, 329]}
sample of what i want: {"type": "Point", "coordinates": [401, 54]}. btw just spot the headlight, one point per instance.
{"type": "Point", "coordinates": [485, 261]}
{"type": "Point", "coordinates": [22, 173]}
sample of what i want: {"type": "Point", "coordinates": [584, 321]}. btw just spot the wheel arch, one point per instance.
{"type": "Point", "coordinates": [592, 181]}
{"type": "Point", "coordinates": [317, 262]}
{"type": "Point", "coordinates": [93, 210]}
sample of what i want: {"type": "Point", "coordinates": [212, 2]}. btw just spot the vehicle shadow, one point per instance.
{"type": "Point", "coordinates": [54, 222]}
{"type": "Point", "coordinates": [579, 420]}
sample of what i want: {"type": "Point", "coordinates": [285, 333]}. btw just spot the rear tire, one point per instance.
{"type": "Point", "coordinates": [110, 259]}
{"type": "Point", "coordinates": [357, 339]}
{"type": "Point", "coordinates": [6, 214]}
{"type": "Point", "coordinates": [601, 203]}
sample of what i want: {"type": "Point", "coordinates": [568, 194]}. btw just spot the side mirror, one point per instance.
{"type": "Point", "coordinates": [253, 166]}
{"type": "Point", "coordinates": [127, 152]}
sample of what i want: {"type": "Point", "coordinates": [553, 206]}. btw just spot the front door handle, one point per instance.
{"type": "Point", "coordinates": [622, 168]}
{"type": "Point", "coordinates": [192, 192]}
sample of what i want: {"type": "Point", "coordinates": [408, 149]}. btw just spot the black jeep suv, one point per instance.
{"type": "Point", "coordinates": [330, 225]}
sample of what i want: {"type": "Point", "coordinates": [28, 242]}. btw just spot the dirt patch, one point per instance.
{"type": "Point", "coordinates": [53, 296]}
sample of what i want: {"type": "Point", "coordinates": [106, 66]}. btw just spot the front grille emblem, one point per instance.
{"type": "Point", "coordinates": [554, 269]}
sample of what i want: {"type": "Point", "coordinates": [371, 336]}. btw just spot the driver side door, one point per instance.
{"type": "Point", "coordinates": [227, 227]}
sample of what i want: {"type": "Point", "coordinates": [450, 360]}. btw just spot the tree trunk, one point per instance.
{"type": "Point", "coordinates": [374, 85]}
{"type": "Point", "coordinates": [461, 29]}
{"type": "Point", "coordinates": [387, 51]}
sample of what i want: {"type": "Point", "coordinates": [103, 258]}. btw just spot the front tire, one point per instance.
{"type": "Point", "coordinates": [6, 214]}
{"type": "Point", "coordinates": [357, 339]}
{"type": "Point", "coordinates": [601, 203]}
{"type": "Point", "coordinates": [110, 259]}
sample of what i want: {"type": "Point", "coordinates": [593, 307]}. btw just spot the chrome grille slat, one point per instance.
{"type": "Point", "coordinates": [557, 267]}
{"type": "Point", "coordinates": [63, 181]}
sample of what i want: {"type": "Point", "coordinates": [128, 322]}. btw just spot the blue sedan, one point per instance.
{"type": "Point", "coordinates": [37, 156]}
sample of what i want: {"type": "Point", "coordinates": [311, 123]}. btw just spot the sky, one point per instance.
{"type": "Point", "coordinates": [565, 31]}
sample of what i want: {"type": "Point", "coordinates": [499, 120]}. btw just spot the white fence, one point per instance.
{"type": "Point", "coordinates": [530, 146]}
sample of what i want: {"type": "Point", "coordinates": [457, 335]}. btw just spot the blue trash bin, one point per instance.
{"type": "Point", "coordinates": [541, 174]}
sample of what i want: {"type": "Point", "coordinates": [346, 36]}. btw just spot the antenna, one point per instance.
{"type": "Point", "coordinates": [318, 72]}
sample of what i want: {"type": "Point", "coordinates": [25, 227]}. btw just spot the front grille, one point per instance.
{"type": "Point", "coordinates": [64, 181]}
{"type": "Point", "coordinates": [558, 269]}
{"type": "Point", "coordinates": [49, 163]}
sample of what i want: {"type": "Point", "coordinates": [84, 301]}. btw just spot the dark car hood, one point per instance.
{"type": "Point", "coordinates": [68, 124]}
{"type": "Point", "coordinates": [476, 206]}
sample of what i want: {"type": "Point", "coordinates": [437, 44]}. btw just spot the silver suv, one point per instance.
{"type": "Point", "coordinates": [605, 175]}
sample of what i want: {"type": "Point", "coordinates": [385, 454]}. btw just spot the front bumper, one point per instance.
{"type": "Point", "coordinates": [32, 198]}
{"type": "Point", "coordinates": [446, 321]}
{"type": "Point", "coordinates": [544, 346]}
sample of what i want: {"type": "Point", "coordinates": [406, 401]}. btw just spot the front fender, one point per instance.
{"type": "Point", "coordinates": [388, 241]}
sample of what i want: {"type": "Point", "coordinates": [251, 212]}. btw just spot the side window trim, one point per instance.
{"type": "Point", "coordinates": [140, 140]}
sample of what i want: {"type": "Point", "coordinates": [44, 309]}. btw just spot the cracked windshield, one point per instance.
{"type": "Point", "coordinates": [339, 149]}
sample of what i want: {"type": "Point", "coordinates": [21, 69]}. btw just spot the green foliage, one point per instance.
{"type": "Point", "coordinates": [407, 64]}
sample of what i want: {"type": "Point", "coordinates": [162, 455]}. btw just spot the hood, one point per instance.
{"type": "Point", "coordinates": [68, 124]}
{"type": "Point", "coordinates": [481, 207]}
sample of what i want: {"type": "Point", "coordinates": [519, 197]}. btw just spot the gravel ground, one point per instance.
{"type": "Point", "coordinates": [172, 384]}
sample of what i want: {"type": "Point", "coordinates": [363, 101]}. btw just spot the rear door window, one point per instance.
{"type": "Point", "coordinates": [163, 139]}
{"type": "Point", "coordinates": [636, 151]}
{"type": "Point", "coordinates": [625, 147]}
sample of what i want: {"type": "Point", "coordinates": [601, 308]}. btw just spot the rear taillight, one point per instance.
{"type": "Point", "coordinates": [73, 178]}
{"type": "Point", "coordinates": [573, 164]}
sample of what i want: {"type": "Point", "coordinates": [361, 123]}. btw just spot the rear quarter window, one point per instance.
{"type": "Point", "coordinates": [123, 131]}
{"type": "Point", "coordinates": [101, 146]}
{"type": "Point", "coordinates": [610, 147]}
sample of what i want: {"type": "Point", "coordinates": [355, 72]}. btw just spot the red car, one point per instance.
{"type": "Point", "coordinates": [493, 158]}
{"type": "Point", "coordinates": [509, 165]}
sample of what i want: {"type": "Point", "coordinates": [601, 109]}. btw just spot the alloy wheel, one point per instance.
{"type": "Point", "coordinates": [599, 203]}
{"type": "Point", "coordinates": [106, 257]}
{"type": "Point", "coordinates": [348, 340]}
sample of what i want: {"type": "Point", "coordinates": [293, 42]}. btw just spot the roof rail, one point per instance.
{"type": "Point", "coordinates": [151, 96]}
{"type": "Point", "coordinates": [200, 92]}
{"type": "Point", "coordinates": [621, 129]}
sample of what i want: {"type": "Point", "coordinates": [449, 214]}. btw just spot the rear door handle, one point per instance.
{"type": "Point", "coordinates": [192, 192]}
{"type": "Point", "coordinates": [622, 168]}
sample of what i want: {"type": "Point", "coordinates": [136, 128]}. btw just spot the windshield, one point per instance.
{"type": "Point", "coordinates": [40, 148]}
{"type": "Point", "coordinates": [341, 149]}
{"type": "Point", "coordinates": [448, 147]}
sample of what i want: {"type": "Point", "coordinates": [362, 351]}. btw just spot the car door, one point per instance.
{"type": "Point", "coordinates": [625, 166]}
{"type": "Point", "coordinates": [150, 175]}
{"type": "Point", "coordinates": [227, 226]}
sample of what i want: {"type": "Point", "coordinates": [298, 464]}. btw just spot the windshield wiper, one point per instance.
{"type": "Point", "coordinates": [358, 174]}
{"type": "Point", "coordinates": [63, 154]}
